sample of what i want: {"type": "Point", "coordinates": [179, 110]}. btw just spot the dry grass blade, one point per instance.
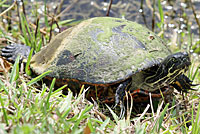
{"type": "Point", "coordinates": [103, 116]}
{"type": "Point", "coordinates": [151, 104]}
{"type": "Point", "coordinates": [142, 115]}
{"type": "Point", "coordinates": [8, 9]}
{"type": "Point", "coordinates": [156, 117]}
{"type": "Point", "coordinates": [67, 9]}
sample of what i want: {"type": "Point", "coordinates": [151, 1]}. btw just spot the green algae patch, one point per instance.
{"type": "Point", "coordinates": [106, 24]}
{"type": "Point", "coordinates": [101, 50]}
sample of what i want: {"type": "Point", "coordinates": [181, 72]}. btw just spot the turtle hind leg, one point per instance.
{"type": "Point", "coordinates": [183, 84]}
{"type": "Point", "coordinates": [120, 94]}
{"type": "Point", "coordinates": [11, 52]}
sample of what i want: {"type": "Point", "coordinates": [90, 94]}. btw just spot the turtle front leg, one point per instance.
{"type": "Point", "coordinates": [11, 52]}
{"type": "Point", "coordinates": [120, 94]}
{"type": "Point", "coordinates": [183, 84]}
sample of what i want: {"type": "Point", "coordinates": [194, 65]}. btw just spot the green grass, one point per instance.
{"type": "Point", "coordinates": [29, 110]}
{"type": "Point", "coordinates": [27, 107]}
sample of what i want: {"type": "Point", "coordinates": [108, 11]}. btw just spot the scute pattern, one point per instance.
{"type": "Point", "coordinates": [102, 50]}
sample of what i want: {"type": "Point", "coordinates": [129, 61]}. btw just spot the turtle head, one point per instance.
{"type": "Point", "coordinates": [167, 71]}
{"type": "Point", "coordinates": [176, 62]}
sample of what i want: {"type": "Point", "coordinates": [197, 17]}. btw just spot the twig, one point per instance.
{"type": "Point", "coordinates": [36, 29]}
{"type": "Point", "coordinates": [41, 30]}
{"type": "Point", "coordinates": [23, 7]}
{"type": "Point", "coordinates": [59, 7]}
{"type": "Point", "coordinates": [142, 13]}
{"type": "Point", "coordinates": [66, 9]}
{"type": "Point", "coordinates": [57, 25]}
{"type": "Point", "coordinates": [51, 29]}
{"type": "Point", "coordinates": [108, 11]}
{"type": "Point", "coordinates": [153, 16]}
{"type": "Point", "coordinates": [4, 12]}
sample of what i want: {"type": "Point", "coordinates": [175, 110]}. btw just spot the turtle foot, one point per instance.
{"type": "Point", "coordinates": [11, 52]}
{"type": "Point", "coordinates": [119, 96]}
{"type": "Point", "coordinates": [183, 84]}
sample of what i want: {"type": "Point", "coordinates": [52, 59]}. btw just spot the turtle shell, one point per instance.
{"type": "Point", "coordinates": [101, 50]}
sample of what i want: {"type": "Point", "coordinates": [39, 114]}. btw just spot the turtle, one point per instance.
{"type": "Point", "coordinates": [113, 56]}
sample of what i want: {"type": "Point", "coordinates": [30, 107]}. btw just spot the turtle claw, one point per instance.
{"type": "Point", "coordinates": [183, 84]}
{"type": "Point", "coordinates": [11, 52]}
{"type": "Point", "coordinates": [7, 50]}
{"type": "Point", "coordinates": [194, 84]}
{"type": "Point", "coordinates": [122, 112]}
{"type": "Point", "coordinates": [193, 88]}
{"type": "Point", "coordinates": [122, 107]}
{"type": "Point", "coordinates": [6, 53]}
